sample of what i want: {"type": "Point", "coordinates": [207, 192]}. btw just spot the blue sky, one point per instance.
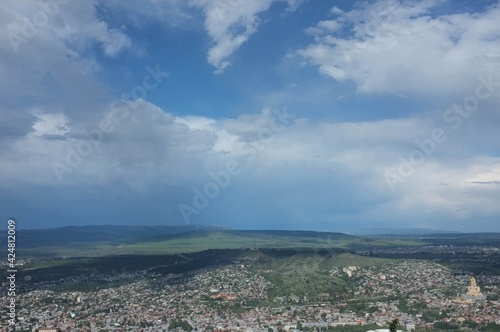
{"type": "Point", "coordinates": [281, 114]}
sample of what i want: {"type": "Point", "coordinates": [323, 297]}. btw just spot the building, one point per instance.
{"type": "Point", "coordinates": [410, 325]}
{"type": "Point", "coordinates": [473, 293]}
{"type": "Point", "coordinates": [349, 270]}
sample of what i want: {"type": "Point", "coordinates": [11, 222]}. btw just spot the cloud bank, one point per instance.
{"type": "Point", "coordinates": [74, 151]}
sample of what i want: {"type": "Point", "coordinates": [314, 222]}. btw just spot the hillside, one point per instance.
{"type": "Point", "coordinates": [348, 259]}
{"type": "Point", "coordinates": [111, 234]}
{"type": "Point", "coordinates": [112, 240]}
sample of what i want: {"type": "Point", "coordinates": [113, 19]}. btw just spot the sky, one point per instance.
{"type": "Point", "coordinates": [265, 114]}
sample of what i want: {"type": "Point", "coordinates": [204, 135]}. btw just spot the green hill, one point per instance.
{"type": "Point", "coordinates": [348, 259]}
{"type": "Point", "coordinates": [113, 240]}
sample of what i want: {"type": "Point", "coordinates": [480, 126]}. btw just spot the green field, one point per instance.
{"type": "Point", "coordinates": [240, 240]}
{"type": "Point", "coordinates": [103, 242]}
{"type": "Point", "coordinates": [199, 241]}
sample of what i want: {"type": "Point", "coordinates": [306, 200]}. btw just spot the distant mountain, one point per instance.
{"type": "Point", "coordinates": [292, 233]}
{"type": "Point", "coordinates": [97, 240]}
{"type": "Point", "coordinates": [398, 231]}
{"type": "Point", "coordinates": [109, 234]}
{"type": "Point", "coordinates": [121, 234]}
{"type": "Point", "coordinates": [102, 240]}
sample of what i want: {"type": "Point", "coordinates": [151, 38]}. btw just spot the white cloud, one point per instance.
{"type": "Point", "coordinates": [338, 168]}
{"type": "Point", "coordinates": [336, 10]}
{"type": "Point", "coordinates": [324, 26]}
{"type": "Point", "coordinates": [293, 5]}
{"type": "Point", "coordinates": [322, 172]}
{"type": "Point", "coordinates": [45, 63]}
{"type": "Point", "coordinates": [196, 122]}
{"type": "Point", "coordinates": [484, 174]}
{"type": "Point", "coordinates": [229, 24]}
{"type": "Point", "coordinates": [74, 23]}
{"type": "Point", "coordinates": [329, 25]}
{"type": "Point", "coordinates": [113, 40]}
{"type": "Point", "coordinates": [397, 47]}
{"type": "Point", "coordinates": [442, 189]}
{"type": "Point", "coordinates": [51, 124]}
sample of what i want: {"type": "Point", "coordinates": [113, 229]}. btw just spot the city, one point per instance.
{"type": "Point", "coordinates": [420, 294]}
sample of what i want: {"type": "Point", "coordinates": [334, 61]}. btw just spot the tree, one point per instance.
{"type": "Point", "coordinates": [393, 326]}
{"type": "Point", "coordinates": [180, 323]}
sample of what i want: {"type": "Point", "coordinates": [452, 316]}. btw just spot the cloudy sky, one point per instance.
{"type": "Point", "coordinates": [283, 114]}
